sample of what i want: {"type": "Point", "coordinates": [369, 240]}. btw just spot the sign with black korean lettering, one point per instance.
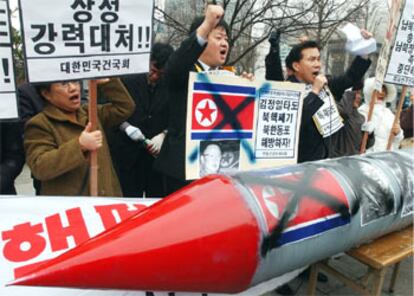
{"type": "Point", "coordinates": [8, 101]}
{"type": "Point", "coordinates": [76, 39]}
{"type": "Point", "coordinates": [234, 124]}
{"type": "Point", "coordinates": [277, 125]}
{"type": "Point", "coordinates": [396, 7]}
{"type": "Point", "coordinates": [401, 67]}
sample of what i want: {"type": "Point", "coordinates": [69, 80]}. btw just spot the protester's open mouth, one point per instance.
{"type": "Point", "coordinates": [223, 52]}
{"type": "Point", "coordinates": [75, 98]}
{"type": "Point", "coordinates": [316, 73]}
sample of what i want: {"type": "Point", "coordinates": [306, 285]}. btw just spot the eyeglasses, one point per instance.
{"type": "Point", "coordinates": [68, 84]}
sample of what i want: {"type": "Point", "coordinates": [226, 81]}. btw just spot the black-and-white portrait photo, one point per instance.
{"type": "Point", "coordinates": [219, 157]}
{"type": "Point", "coordinates": [402, 167]}
{"type": "Point", "coordinates": [377, 196]}
{"type": "Point", "coordinates": [374, 195]}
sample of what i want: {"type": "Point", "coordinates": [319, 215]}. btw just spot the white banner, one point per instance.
{"type": "Point", "coordinates": [8, 101]}
{"type": "Point", "coordinates": [401, 67]}
{"type": "Point", "coordinates": [35, 229]}
{"type": "Point", "coordinates": [86, 39]}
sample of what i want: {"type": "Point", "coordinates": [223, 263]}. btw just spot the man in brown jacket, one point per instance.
{"type": "Point", "coordinates": [58, 139]}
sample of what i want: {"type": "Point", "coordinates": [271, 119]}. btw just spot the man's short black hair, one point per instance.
{"type": "Point", "coordinates": [295, 54]}
{"type": "Point", "coordinates": [160, 53]}
{"type": "Point", "coordinates": [205, 144]}
{"type": "Point", "coordinates": [198, 20]}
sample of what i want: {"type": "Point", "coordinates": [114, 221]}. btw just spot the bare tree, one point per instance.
{"type": "Point", "coordinates": [328, 15]}
{"type": "Point", "coordinates": [251, 21]}
{"type": "Point", "coordinates": [17, 44]}
{"type": "Point", "coordinates": [372, 16]}
{"type": "Point", "coordinates": [243, 16]}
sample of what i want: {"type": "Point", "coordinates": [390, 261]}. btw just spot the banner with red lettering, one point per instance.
{"type": "Point", "coordinates": [36, 229]}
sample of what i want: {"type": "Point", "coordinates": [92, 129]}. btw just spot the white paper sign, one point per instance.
{"type": "Point", "coordinates": [390, 36]}
{"type": "Point", "coordinates": [327, 119]}
{"type": "Point", "coordinates": [8, 101]}
{"type": "Point", "coordinates": [356, 44]}
{"type": "Point", "coordinates": [277, 123]}
{"type": "Point", "coordinates": [76, 39]}
{"type": "Point", "coordinates": [234, 124]}
{"type": "Point", "coordinates": [401, 67]}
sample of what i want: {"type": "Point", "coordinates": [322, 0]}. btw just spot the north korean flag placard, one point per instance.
{"type": "Point", "coordinates": [234, 124]}
{"type": "Point", "coordinates": [221, 111]}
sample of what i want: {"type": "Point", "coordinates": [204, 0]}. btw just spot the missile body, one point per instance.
{"type": "Point", "coordinates": [226, 233]}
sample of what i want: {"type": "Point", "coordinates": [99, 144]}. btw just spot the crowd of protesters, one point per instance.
{"type": "Point", "coordinates": [142, 124]}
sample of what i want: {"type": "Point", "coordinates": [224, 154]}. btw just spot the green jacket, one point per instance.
{"type": "Point", "coordinates": [53, 152]}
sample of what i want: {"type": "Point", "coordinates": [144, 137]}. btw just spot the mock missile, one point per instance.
{"type": "Point", "coordinates": [226, 233]}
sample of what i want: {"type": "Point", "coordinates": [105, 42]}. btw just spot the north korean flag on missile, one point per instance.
{"type": "Point", "coordinates": [221, 111]}
{"type": "Point", "coordinates": [320, 191]}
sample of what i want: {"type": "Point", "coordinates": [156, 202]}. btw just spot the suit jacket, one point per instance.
{"type": "Point", "coordinates": [30, 102]}
{"type": "Point", "coordinates": [347, 140]}
{"type": "Point", "coordinates": [11, 155]}
{"type": "Point", "coordinates": [407, 119]}
{"type": "Point", "coordinates": [312, 146]}
{"type": "Point", "coordinates": [150, 116]}
{"type": "Point", "coordinates": [171, 160]}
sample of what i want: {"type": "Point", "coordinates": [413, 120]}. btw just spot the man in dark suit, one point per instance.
{"type": "Point", "coordinates": [205, 49]}
{"type": "Point", "coordinates": [305, 63]}
{"type": "Point", "coordinates": [30, 104]}
{"type": "Point", "coordinates": [304, 66]}
{"type": "Point", "coordinates": [11, 155]}
{"type": "Point", "coordinates": [136, 144]}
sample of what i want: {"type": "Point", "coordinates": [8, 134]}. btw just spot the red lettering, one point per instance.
{"type": "Point", "coordinates": [108, 217]}
{"type": "Point", "coordinates": [58, 234]}
{"type": "Point", "coordinates": [24, 242]}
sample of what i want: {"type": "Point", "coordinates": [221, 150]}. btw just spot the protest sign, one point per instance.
{"type": "Point", "coordinates": [8, 101]}
{"type": "Point", "coordinates": [401, 64]}
{"type": "Point", "coordinates": [234, 124]}
{"type": "Point", "coordinates": [389, 40]}
{"type": "Point", "coordinates": [35, 229]}
{"type": "Point", "coordinates": [85, 39]}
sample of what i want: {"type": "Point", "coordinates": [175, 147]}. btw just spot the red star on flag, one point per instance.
{"type": "Point", "coordinates": [206, 112]}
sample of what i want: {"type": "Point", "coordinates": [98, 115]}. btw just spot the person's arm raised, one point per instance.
{"type": "Point", "coordinates": [213, 15]}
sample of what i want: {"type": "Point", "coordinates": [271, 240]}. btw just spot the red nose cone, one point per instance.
{"type": "Point", "coordinates": [202, 238]}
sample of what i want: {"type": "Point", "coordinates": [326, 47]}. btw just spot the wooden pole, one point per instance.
{"type": "Point", "coordinates": [93, 172]}
{"type": "Point", "coordinates": [369, 117]}
{"type": "Point", "coordinates": [397, 116]}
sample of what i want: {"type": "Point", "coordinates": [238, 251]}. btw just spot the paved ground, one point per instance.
{"type": "Point", "coordinates": [24, 185]}
{"type": "Point", "coordinates": [349, 266]}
